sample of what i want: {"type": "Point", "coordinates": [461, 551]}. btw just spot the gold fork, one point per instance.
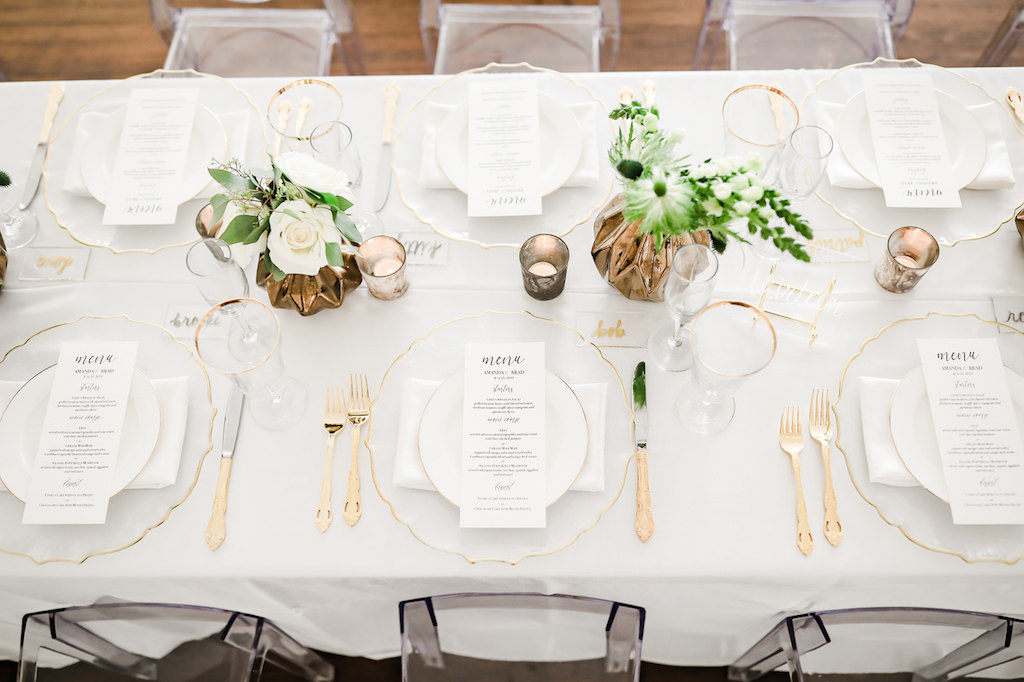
{"type": "Point", "coordinates": [334, 421]}
{"type": "Point", "coordinates": [358, 411]}
{"type": "Point", "coordinates": [820, 424]}
{"type": "Point", "coordinates": [792, 442]}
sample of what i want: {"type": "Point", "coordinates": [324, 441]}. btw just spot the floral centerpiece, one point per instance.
{"type": "Point", "coordinates": [295, 218]}
{"type": "Point", "coordinates": [667, 202]}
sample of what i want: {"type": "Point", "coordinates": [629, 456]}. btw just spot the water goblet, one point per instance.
{"type": "Point", "coordinates": [731, 342]}
{"type": "Point", "coordinates": [19, 227]}
{"type": "Point", "coordinates": [216, 274]}
{"type": "Point", "coordinates": [688, 290]}
{"type": "Point", "coordinates": [275, 400]}
{"type": "Point", "coordinates": [757, 119]}
{"type": "Point", "coordinates": [334, 145]}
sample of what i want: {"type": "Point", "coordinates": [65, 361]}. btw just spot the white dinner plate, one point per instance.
{"type": "Point", "coordinates": [561, 144]}
{"type": "Point", "coordinates": [440, 438]}
{"type": "Point", "coordinates": [964, 138]}
{"type": "Point", "coordinates": [99, 154]}
{"type": "Point", "coordinates": [21, 426]}
{"type": "Point", "coordinates": [913, 431]}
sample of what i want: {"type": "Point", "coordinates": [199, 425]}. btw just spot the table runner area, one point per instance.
{"type": "Point", "coordinates": [721, 568]}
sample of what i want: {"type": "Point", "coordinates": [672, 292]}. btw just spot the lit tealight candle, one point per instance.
{"type": "Point", "coordinates": [542, 268]}
{"type": "Point", "coordinates": [907, 261]}
{"type": "Point", "coordinates": [386, 266]}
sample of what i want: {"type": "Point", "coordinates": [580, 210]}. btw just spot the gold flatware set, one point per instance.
{"type": "Point", "coordinates": [337, 413]}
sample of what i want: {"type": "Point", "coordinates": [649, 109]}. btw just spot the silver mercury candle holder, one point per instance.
{"type": "Point", "coordinates": [544, 260]}
{"type": "Point", "coordinates": [910, 252]}
{"type": "Point", "coordinates": [381, 261]}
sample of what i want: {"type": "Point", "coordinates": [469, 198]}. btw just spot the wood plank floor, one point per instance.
{"type": "Point", "coordinates": [72, 39]}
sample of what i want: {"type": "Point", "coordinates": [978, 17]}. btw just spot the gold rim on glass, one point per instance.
{"type": "Point", "coordinates": [219, 306]}
{"type": "Point", "coordinates": [771, 90]}
{"type": "Point", "coordinates": [758, 313]}
{"type": "Point", "coordinates": [294, 84]}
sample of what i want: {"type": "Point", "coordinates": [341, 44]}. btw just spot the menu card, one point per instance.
{"type": "Point", "coordinates": [503, 444]}
{"type": "Point", "coordinates": [151, 157]}
{"type": "Point", "coordinates": [976, 426]}
{"type": "Point", "coordinates": [74, 465]}
{"type": "Point", "coordinates": [910, 146]}
{"type": "Point", "coordinates": [504, 147]}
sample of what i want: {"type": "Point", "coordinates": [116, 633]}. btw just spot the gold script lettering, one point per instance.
{"type": "Point", "coordinates": [617, 331]}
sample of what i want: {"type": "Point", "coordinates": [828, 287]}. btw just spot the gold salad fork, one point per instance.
{"type": "Point", "coordinates": [358, 411]}
{"type": "Point", "coordinates": [792, 442]}
{"type": "Point", "coordinates": [820, 425]}
{"type": "Point", "coordinates": [334, 421]}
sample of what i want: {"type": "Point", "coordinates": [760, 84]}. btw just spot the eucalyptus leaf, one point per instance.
{"type": "Point", "coordinates": [255, 235]}
{"type": "Point", "coordinates": [229, 180]}
{"type": "Point", "coordinates": [334, 256]}
{"type": "Point", "coordinates": [347, 228]}
{"type": "Point", "coordinates": [240, 228]}
{"type": "Point", "coordinates": [219, 202]}
{"type": "Point", "coordinates": [275, 272]}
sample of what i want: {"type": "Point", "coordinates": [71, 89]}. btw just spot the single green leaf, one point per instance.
{"type": "Point", "coordinates": [229, 180]}
{"type": "Point", "coordinates": [334, 255]}
{"type": "Point", "coordinates": [219, 202]}
{"type": "Point", "coordinates": [275, 272]}
{"type": "Point", "coordinates": [289, 212]}
{"type": "Point", "coordinates": [240, 228]}
{"type": "Point", "coordinates": [255, 235]}
{"type": "Point", "coordinates": [348, 228]}
{"type": "Point", "coordinates": [640, 385]}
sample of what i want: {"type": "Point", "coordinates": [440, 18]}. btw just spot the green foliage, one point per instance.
{"type": "Point", "coordinates": [5, 179]}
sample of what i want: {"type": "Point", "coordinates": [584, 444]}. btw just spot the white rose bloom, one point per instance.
{"type": "Point", "coordinates": [299, 246]}
{"type": "Point", "coordinates": [722, 190]}
{"type": "Point", "coordinates": [703, 170]}
{"type": "Point", "coordinates": [712, 207]}
{"type": "Point", "coordinates": [752, 193]}
{"type": "Point", "coordinates": [303, 169]}
{"type": "Point", "coordinates": [242, 253]}
{"type": "Point", "coordinates": [766, 212]}
{"type": "Point", "coordinates": [742, 207]}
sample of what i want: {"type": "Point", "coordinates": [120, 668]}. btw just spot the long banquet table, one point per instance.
{"type": "Point", "coordinates": [722, 565]}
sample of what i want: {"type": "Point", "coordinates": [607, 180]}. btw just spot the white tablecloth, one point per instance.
{"type": "Point", "coordinates": [722, 566]}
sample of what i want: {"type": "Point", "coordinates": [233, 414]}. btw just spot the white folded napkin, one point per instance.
{"type": "Point", "coordinates": [415, 394]}
{"type": "Point", "coordinates": [162, 468]}
{"type": "Point", "coordinates": [997, 173]}
{"type": "Point", "coordinates": [236, 126]}
{"type": "Point", "coordinates": [586, 173]}
{"type": "Point", "coordinates": [884, 464]}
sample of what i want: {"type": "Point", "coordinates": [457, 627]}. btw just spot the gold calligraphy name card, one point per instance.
{"type": "Point", "coordinates": [838, 246]}
{"type": "Point", "coordinates": [612, 329]}
{"type": "Point", "coordinates": [53, 264]}
{"type": "Point", "coordinates": [801, 303]}
{"type": "Point", "coordinates": [1010, 311]}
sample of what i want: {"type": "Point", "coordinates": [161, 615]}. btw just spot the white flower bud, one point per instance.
{"type": "Point", "coordinates": [742, 207]}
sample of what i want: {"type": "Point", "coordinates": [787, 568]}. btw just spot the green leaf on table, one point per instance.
{"type": "Point", "coordinates": [240, 228]}
{"type": "Point", "coordinates": [229, 180]}
{"type": "Point", "coordinates": [219, 202]}
{"type": "Point", "coordinates": [640, 385]}
{"type": "Point", "coordinates": [275, 272]}
{"type": "Point", "coordinates": [347, 228]}
{"type": "Point", "coordinates": [334, 256]}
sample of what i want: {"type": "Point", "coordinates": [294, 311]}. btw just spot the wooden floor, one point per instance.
{"type": "Point", "coordinates": [73, 39]}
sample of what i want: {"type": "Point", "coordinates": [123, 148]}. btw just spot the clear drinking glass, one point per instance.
{"type": "Point", "coordinates": [18, 227]}
{"type": "Point", "coordinates": [334, 145]}
{"type": "Point", "coordinates": [216, 274]}
{"type": "Point", "coordinates": [801, 161]}
{"type": "Point", "coordinates": [731, 341]}
{"type": "Point", "coordinates": [690, 283]}
{"type": "Point", "coordinates": [241, 339]}
{"type": "Point", "coordinates": [757, 119]}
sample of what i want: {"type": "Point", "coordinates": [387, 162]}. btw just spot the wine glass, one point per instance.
{"type": "Point", "coordinates": [217, 276]}
{"type": "Point", "coordinates": [275, 400]}
{"type": "Point", "coordinates": [688, 290]}
{"type": "Point", "coordinates": [731, 342]}
{"type": "Point", "coordinates": [19, 227]}
{"type": "Point", "coordinates": [801, 162]}
{"type": "Point", "coordinates": [334, 145]}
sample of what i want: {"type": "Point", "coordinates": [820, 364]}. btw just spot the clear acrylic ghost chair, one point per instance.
{"type": "Point", "coordinates": [234, 38]}
{"type": "Point", "coordinates": [562, 37]}
{"type": "Point", "coordinates": [922, 645]}
{"type": "Point", "coordinates": [522, 636]}
{"type": "Point", "coordinates": [1006, 38]}
{"type": "Point", "coordinates": [160, 642]}
{"type": "Point", "coordinates": [783, 34]}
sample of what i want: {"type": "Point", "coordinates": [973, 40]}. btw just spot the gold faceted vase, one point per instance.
{"type": "Point", "coordinates": [628, 260]}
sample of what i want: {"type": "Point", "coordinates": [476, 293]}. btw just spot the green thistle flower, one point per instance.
{"type": "Point", "coordinates": [5, 179]}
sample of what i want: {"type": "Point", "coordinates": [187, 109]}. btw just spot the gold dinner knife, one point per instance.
{"type": "Point", "coordinates": [216, 529]}
{"type": "Point", "coordinates": [644, 517]}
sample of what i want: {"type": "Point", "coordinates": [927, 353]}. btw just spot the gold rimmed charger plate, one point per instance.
{"type": "Point", "coordinates": [851, 209]}
{"type": "Point", "coordinates": [406, 182]}
{"type": "Point", "coordinates": [198, 442]}
{"type": "Point", "coordinates": [417, 509]}
{"type": "Point", "coordinates": [52, 186]}
{"type": "Point", "coordinates": [922, 517]}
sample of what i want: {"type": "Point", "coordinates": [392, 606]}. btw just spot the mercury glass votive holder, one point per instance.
{"type": "Point", "coordinates": [910, 252]}
{"type": "Point", "coordinates": [544, 260]}
{"type": "Point", "coordinates": [381, 261]}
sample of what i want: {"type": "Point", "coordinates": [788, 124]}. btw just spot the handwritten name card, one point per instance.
{"type": "Point", "coordinates": [53, 264]}
{"type": "Point", "coordinates": [614, 329]}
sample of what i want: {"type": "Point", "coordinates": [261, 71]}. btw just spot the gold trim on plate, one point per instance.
{"type": "Point", "coordinates": [583, 341]}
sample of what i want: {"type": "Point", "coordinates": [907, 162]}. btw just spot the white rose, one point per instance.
{"type": "Point", "coordinates": [742, 207]}
{"type": "Point", "coordinates": [722, 190]}
{"type": "Point", "coordinates": [299, 246]}
{"type": "Point", "coordinates": [766, 212]}
{"type": "Point", "coordinates": [242, 253]}
{"type": "Point", "coordinates": [712, 207]}
{"type": "Point", "coordinates": [304, 170]}
{"type": "Point", "coordinates": [752, 193]}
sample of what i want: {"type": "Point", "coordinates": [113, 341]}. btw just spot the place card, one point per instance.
{"type": "Point", "coordinates": [843, 245]}
{"type": "Point", "coordinates": [151, 157]}
{"type": "Point", "coordinates": [504, 147]}
{"type": "Point", "coordinates": [613, 329]}
{"type": "Point", "coordinates": [74, 466]}
{"type": "Point", "coordinates": [503, 443]}
{"type": "Point", "coordinates": [910, 146]}
{"type": "Point", "coordinates": [54, 264]}
{"type": "Point", "coordinates": [976, 427]}
{"type": "Point", "coordinates": [1010, 311]}
{"type": "Point", "coordinates": [424, 247]}
{"type": "Point", "coordinates": [182, 319]}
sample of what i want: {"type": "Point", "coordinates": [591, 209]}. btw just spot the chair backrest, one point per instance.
{"type": "Point", "coordinates": [520, 636]}
{"type": "Point", "coordinates": [926, 644]}
{"type": "Point", "coordinates": [1006, 38]}
{"type": "Point", "coordinates": [432, 13]}
{"type": "Point", "coordinates": [161, 641]}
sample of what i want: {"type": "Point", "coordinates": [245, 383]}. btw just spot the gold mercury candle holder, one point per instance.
{"type": "Point", "coordinates": [381, 261]}
{"type": "Point", "coordinates": [544, 260]}
{"type": "Point", "coordinates": [910, 252]}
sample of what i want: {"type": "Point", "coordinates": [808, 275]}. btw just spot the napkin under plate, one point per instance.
{"type": "Point", "coordinates": [162, 468]}
{"type": "Point", "coordinates": [416, 393]}
{"type": "Point", "coordinates": [997, 173]}
{"type": "Point", "coordinates": [884, 463]}
{"type": "Point", "coordinates": [587, 171]}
